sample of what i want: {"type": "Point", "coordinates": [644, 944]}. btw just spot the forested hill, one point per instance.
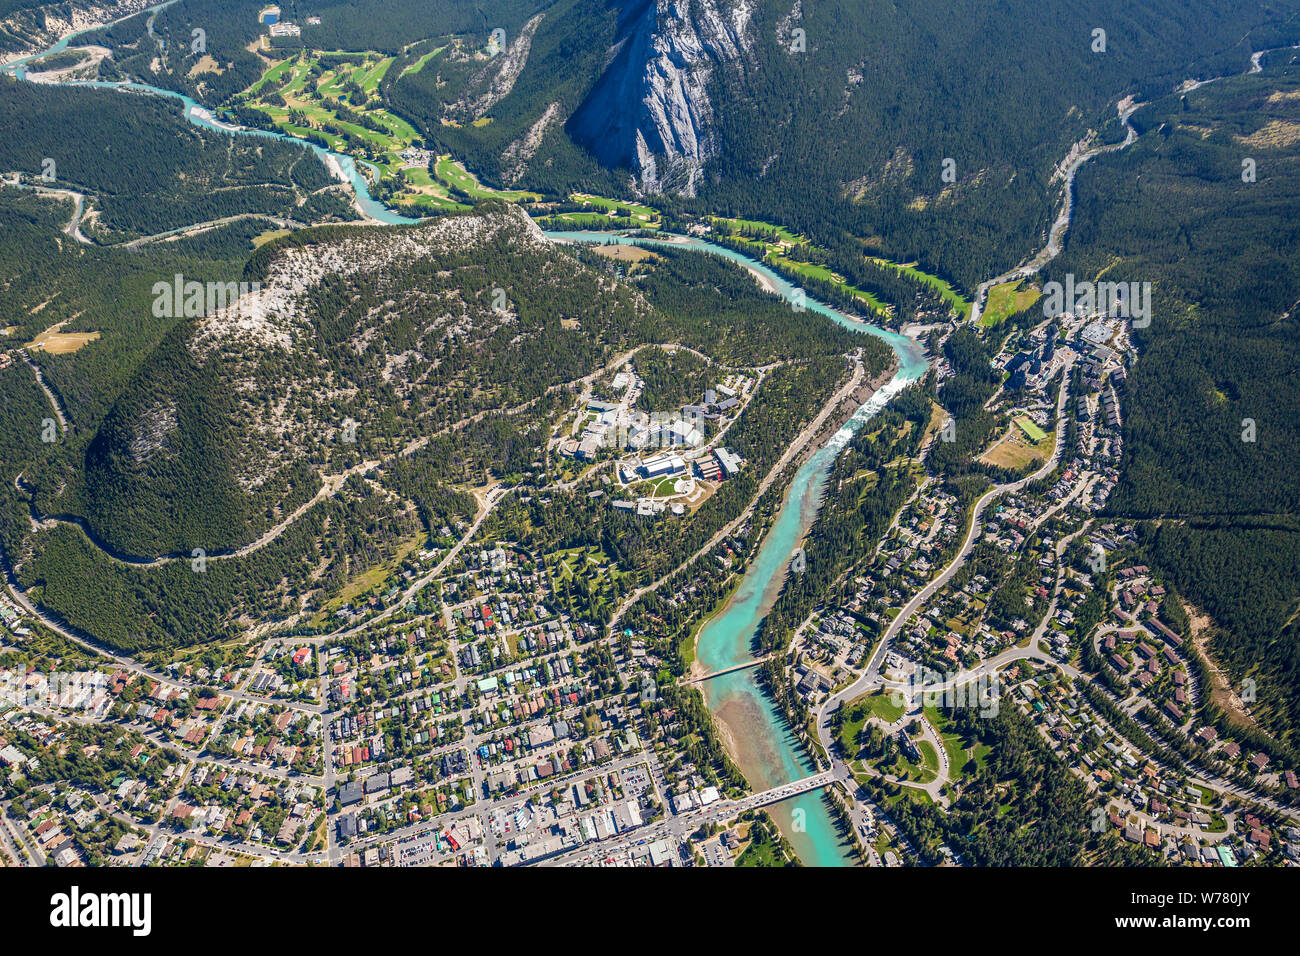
{"type": "Point", "coordinates": [835, 117]}
{"type": "Point", "coordinates": [231, 32]}
{"type": "Point", "coordinates": [854, 134]}
{"type": "Point", "coordinates": [390, 368]}
{"type": "Point", "coordinates": [846, 139]}
{"type": "Point", "coordinates": [229, 425]}
{"type": "Point", "coordinates": [147, 170]}
{"type": "Point", "coordinates": [27, 26]}
{"type": "Point", "coordinates": [365, 344]}
{"type": "Point", "coordinates": [1206, 207]}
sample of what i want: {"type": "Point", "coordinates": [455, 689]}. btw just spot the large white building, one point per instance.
{"type": "Point", "coordinates": [662, 464]}
{"type": "Point", "coordinates": [683, 433]}
{"type": "Point", "coordinates": [729, 461]}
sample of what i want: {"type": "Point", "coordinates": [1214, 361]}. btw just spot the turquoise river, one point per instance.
{"type": "Point", "coordinates": [764, 748]}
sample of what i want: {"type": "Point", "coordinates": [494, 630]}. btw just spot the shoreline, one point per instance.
{"type": "Point", "coordinates": [846, 408]}
{"type": "Point", "coordinates": [67, 27]}
{"type": "Point", "coordinates": [860, 395]}
{"type": "Point", "coordinates": [764, 283]}
{"type": "Point", "coordinates": [857, 398]}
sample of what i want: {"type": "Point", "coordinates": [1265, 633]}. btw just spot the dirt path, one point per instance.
{"type": "Point", "coordinates": [54, 401]}
{"type": "Point", "coordinates": [1220, 690]}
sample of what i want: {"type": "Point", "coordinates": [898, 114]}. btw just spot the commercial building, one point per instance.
{"type": "Point", "coordinates": [729, 461]}
{"type": "Point", "coordinates": [663, 464]}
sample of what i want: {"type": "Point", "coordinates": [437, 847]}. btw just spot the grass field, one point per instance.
{"type": "Point", "coordinates": [1006, 300]}
{"type": "Point", "coordinates": [313, 98]}
{"type": "Point", "coordinates": [1015, 451]}
{"type": "Point", "coordinates": [960, 304]}
{"type": "Point", "coordinates": [462, 180]}
{"type": "Point", "coordinates": [1032, 431]}
{"type": "Point", "coordinates": [771, 248]}
{"type": "Point", "coordinates": [959, 754]}
{"type": "Point", "coordinates": [937, 417]}
{"type": "Point", "coordinates": [272, 75]}
{"type": "Point", "coordinates": [368, 580]}
{"type": "Point", "coordinates": [312, 104]}
{"type": "Point", "coordinates": [929, 758]}
{"type": "Point", "coordinates": [782, 234]}
{"type": "Point", "coordinates": [624, 253]}
{"type": "Point", "coordinates": [1011, 455]}
{"type": "Point", "coordinates": [631, 210]}
{"type": "Point", "coordinates": [879, 704]}
{"type": "Point", "coordinates": [580, 219]}
{"type": "Point", "coordinates": [589, 563]}
{"type": "Point", "coordinates": [426, 191]}
{"type": "Point", "coordinates": [264, 238]}
{"type": "Point", "coordinates": [810, 270]}
{"type": "Point", "coordinates": [602, 214]}
{"type": "Point", "coordinates": [779, 239]}
{"type": "Point", "coordinates": [762, 851]}
{"type": "Point", "coordinates": [587, 577]}
{"type": "Point", "coordinates": [422, 62]}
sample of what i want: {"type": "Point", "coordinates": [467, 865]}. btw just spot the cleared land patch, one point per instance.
{"type": "Point", "coordinates": [56, 342]}
{"type": "Point", "coordinates": [1006, 300]}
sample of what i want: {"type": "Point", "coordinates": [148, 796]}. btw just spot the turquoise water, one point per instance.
{"type": "Point", "coordinates": [770, 756]}
{"type": "Point", "coordinates": [768, 753]}
{"type": "Point", "coordinates": [344, 164]}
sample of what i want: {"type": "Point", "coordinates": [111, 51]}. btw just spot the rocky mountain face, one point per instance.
{"type": "Point", "coordinates": [650, 110]}
{"type": "Point", "coordinates": [494, 81]}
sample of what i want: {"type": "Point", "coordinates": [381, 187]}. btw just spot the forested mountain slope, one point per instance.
{"type": "Point", "coordinates": [147, 170]}
{"type": "Point", "coordinates": [835, 117]}
{"type": "Point", "coordinates": [851, 136]}
{"type": "Point", "coordinates": [402, 332]}
{"type": "Point", "coordinates": [231, 33]}
{"type": "Point", "coordinates": [50, 280]}
{"type": "Point", "coordinates": [1206, 207]}
{"type": "Point", "coordinates": [337, 412]}
{"type": "Point", "coordinates": [28, 26]}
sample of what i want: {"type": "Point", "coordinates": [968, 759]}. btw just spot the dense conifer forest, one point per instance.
{"type": "Point", "coordinates": [1212, 422]}
{"type": "Point", "coordinates": [147, 170]}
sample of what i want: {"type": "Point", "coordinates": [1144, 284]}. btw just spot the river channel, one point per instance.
{"type": "Point", "coordinates": [764, 748]}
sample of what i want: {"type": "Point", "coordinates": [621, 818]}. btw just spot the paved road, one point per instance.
{"type": "Point", "coordinates": [806, 436]}
{"type": "Point", "coordinates": [871, 670]}
{"type": "Point", "coordinates": [720, 812]}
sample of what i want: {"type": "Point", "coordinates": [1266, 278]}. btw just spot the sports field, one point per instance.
{"type": "Point", "coordinates": [1006, 300]}
{"type": "Point", "coordinates": [959, 303]}
{"type": "Point", "coordinates": [1024, 445]}
{"type": "Point", "coordinates": [462, 180]}
{"type": "Point", "coordinates": [631, 210]}
{"type": "Point", "coordinates": [1032, 431]}
{"type": "Point", "coordinates": [305, 99]}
